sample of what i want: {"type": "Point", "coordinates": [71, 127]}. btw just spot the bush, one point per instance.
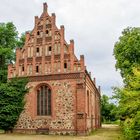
{"type": "Point", "coordinates": [12, 102]}
{"type": "Point", "coordinates": [131, 127]}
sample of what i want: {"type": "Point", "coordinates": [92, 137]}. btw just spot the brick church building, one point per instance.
{"type": "Point", "coordinates": [63, 98]}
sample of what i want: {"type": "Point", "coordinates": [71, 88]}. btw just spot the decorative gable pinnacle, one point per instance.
{"type": "Point", "coordinates": [45, 7]}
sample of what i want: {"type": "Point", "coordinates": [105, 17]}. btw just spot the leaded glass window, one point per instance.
{"type": "Point", "coordinates": [43, 101]}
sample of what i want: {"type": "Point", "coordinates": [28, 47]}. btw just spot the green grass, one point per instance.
{"type": "Point", "coordinates": [1, 131]}
{"type": "Point", "coordinates": [112, 122]}
{"type": "Point", "coordinates": [108, 132]}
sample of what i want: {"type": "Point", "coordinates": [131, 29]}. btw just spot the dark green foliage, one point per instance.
{"type": "Point", "coordinates": [8, 42]}
{"type": "Point", "coordinates": [12, 102]}
{"type": "Point", "coordinates": [12, 92]}
{"type": "Point", "coordinates": [8, 35]}
{"type": "Point", "coordinates": [108, 110]}
{"type": "Point", "coordinates": [127, 51]}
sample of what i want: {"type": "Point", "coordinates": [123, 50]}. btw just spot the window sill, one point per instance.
{"type": "Point", "coordinates": [42, 117]}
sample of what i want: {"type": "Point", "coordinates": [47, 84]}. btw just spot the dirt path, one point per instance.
{"type": "Point", "coordinates": [107, 132]}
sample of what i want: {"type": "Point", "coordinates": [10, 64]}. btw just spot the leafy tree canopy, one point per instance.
{"type": "Point", "coordinates": [127, 54]}
{"type": "Point", "coordinates": [127, 51]}
{"type": "Point", "coordinates": [8, 42]}
{"type": "Point", "coordinates": [8, 35]}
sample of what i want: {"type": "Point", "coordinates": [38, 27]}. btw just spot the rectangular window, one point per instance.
{"type": "Point", "coordinates": [65, 65]}
{"type": "Point", "coordinates": [49, 50]}
{"type": "Point", "coordinates": [37, 69]}
{"type": "Point", "coordinates": [22, 68]}
{"type": "Point", "coordinates": [37, 50]}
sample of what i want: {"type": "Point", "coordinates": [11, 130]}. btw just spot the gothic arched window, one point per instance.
{"type": "Point", "coordinates": [43, 101]}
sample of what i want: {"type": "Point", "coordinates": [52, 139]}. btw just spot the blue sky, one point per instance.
{"type": "Point", "coordinates": [95, 26]}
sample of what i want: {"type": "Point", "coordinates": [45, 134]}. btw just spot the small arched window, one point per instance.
{"type": "Point", "coordinates": [38, 33]}
{"type": "Point", "coordinates": [43, 101]}
{"type": "Point", "coordinates": [47, 32]}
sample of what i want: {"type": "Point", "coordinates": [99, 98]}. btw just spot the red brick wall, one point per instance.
{"type": "Point", "coordinates": [70, 111]}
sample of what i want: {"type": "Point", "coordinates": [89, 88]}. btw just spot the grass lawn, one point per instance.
{"type": "Point", "coordinates": [107, 132]}
{"type": "Point", "coordinates": [1, 131]}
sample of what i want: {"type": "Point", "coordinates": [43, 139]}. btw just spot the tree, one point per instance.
{"type": "Point", "coordinates": [8, 35]}
{"type": "Point", "coordinates": [8, 42]}
{"type": "Point", "coordinates": [127, 54]}
{"type": "Point", "coordinates": [11, 92]}
{"type": "Point", "coordinates": [127, 51]}
{"type": "Point", "coordinates": [129, 106]}
{"type": "Point", "coordinates": [108, 110]}
{"type": "Point", "coordinates": [12, 102]}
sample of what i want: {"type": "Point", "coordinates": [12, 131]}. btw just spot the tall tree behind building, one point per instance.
{"type": "Point", "coordinates": [9, 40]}
{"type": "Point", "coordinates": [12, 91]}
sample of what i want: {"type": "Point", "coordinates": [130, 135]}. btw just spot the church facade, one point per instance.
{"type": "Point", "coordinates": [62, 98]}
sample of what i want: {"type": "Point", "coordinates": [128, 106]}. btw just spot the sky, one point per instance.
{"type": "Point", "coordinates": [95, 26]}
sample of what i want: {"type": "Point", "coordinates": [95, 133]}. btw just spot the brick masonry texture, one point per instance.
{"type": "Point", "coordinates": [47, 59]}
